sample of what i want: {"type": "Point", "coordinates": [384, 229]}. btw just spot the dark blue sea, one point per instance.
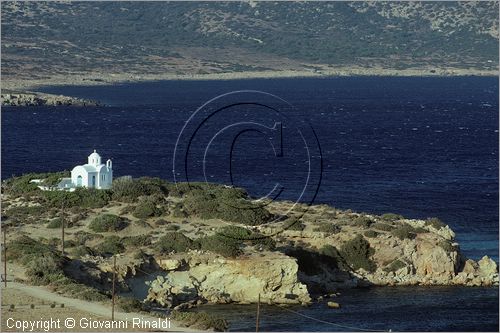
{"type": "Point", "coordinates": [420, 147]}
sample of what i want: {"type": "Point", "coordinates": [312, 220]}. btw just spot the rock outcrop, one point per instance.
{"type": "Point", "coordinates": [424, 261]}
{"type": "Point", "coordinates": [40, 99]}
{"type": "Point", "coordinates": [220, 280]}
{"type": "Point", "coordinates": [427, 257]}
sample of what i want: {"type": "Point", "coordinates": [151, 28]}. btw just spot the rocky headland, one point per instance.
{"type": "Point", "coordinates": [182, 245]}
{"type": "Point", "coordinates": [297, 274]}
{"type": "Point", "coordinates": [41, 99]}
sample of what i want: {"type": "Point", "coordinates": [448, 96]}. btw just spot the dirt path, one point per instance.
{"type": "Point", "coordinates": [90, 307]}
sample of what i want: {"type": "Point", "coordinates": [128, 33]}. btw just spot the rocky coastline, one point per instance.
{"type": "Point", "coordinates": [99, 78]}
{"type": "Point", "coordinates": [430, 257]}
{"type": "Point", "coordinates": [41, 99]}
{"type": "Point", "coordinates": [179, 246]}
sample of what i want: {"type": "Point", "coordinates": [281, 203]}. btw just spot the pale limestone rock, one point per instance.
{"type": "Point", "coordinates": [333, 305]}
{"type": "Point", "coordinates": [402, 272]}
{"type": "Point", "coordinates": [462, 278]}
{"type": "Point", "coordinates": [444, 232]}
{"type": "Point", "coordinates": [433, 261]}
{"type": "Point", "coordinates": [470, 267]}
{"type": "Point", "coordinates": [487, 267]}
{"type": "Point", "coordinates": [170, 264]}
{"type": "Point", "coordinates": [233, 280]}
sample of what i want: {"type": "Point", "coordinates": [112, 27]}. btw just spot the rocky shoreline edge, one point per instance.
{"type": "Point", "coordinates": [301, 276]}
{"type": "Point", "coordinates": [41, 99]}
{"type": "Point", "coordinates": [98, 78]}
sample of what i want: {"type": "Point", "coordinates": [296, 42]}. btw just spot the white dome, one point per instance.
{"type": "Point", "coordinates": [94, 158]}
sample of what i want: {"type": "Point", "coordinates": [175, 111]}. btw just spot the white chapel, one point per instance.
{"type": "Point", "coordinates": [93, 174]}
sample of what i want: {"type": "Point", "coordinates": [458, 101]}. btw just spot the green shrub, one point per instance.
{"type": "Point", "coordinates": [235, 232]}
{"type": "Point", "coordinates": [44, 269]}
{"type": "Point", "coordinates": [55, 223]}
{"type": "Point", "coordinates": [225, 246]}
{"type": "Point", "coordinates": [81, 197]}
{"type": "Point", "coordinates": [332, 252]}
{"type": "Point", "coordinates": [210, 201]}
{"type": "Point", "coordinates": [200, 320]}
{"type": "Point", "coordinates": [126, 189]}
{"type": "Point", "coordinates": [265, 242]}
{"type": "Point", "coordinates": [25, 250]}
{"type": "Point", "coordinates": [178, 211]}
{"type": "Point", "coordinates": [59, 199]}
{"type": "Point", "coordinates": [202, 203]}
{"type": "Point", "coordinates": [420, 230]}
{"type": "Point", "coordinates": [107, 222]}
{"type": "Point", "coordinates": [18, 186]}
{"type": "Point", "coordinates": [435, 223]}
{"type": "Point", "coordinates": [357, 252]}
{"type": "Point", "coordinates": [328, 228]}
{"type": "Point", "coordinates": [363, 221]}
{"type": "Point", "coordinates": [174, 242]}
{"type": "Point", "coordinates": [130, 189]}
{"type": "Point", "coordinates": [179, 189]}
{"type": "Point", "coordinates": [391, 217]}
{"type": "Point", "coordinates": [137, 241]}
{"type": "Point", "coordinates": [25, 213]}
{"type": "Point", "coordinates": [146, 208]}
{"type": "Point", "coordinates": [93, 198]}
{"type": "Point", "coordinates": [371, 233]}
{"type": "Point", "coordinates": [404, 231]}
{"type": "Point", "coordinates": [293, 223]}
{"type": "Point", "coordinates": [395, 266]}
{"type": "Point", "coordinates": [44, 266]}
{"type": "Point", "coordinates": [382, 226]}
{"type": "Point", "coordinates": [111, 245]}
{"type": "Point", "coordinates": [243, 235]}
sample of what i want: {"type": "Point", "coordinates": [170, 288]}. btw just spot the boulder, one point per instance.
{"type": "Point", "coordinates": [462, 278]}
{"type": "Point", "coordinates": [487, 267]}
{"type": "Point", "coordinates": [170, 264]}
{"type": "Point", "coordinates": [432, 261]}
{"type": "Point", "coordinates": [172, 290]}
{"type": "Point", "coordinates": [333, 305]}
{"type": "Point", "coordinates": [470, 267]}
{"type": "Point", "coordinates": [222, 280]}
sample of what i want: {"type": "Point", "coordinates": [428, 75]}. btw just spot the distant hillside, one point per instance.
{"type": "Point", "coordinates": [58, 38]}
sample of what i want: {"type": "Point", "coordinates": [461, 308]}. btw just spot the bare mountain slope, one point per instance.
{"type": "Point", "coordinates": [43, 40]}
